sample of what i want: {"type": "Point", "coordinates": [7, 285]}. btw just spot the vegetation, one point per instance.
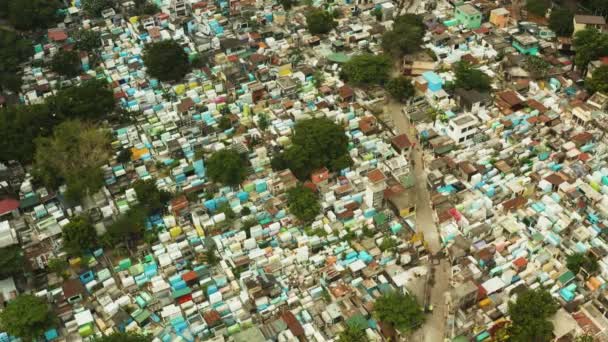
{"type": "Point", "coordinates": [530, 316]}
{"type": "Point", "coordinates": [400, 310]}
{"type": "Point", "coordinates": [287, 4]}
{"type": "Point", "coordinates": [124, 155]}
{"type": "Point", "coordinates": [320, 21]}
{"type": "Point", "coordinates": [400, 88]}
{"type": "Point", "coordinates": [405, 37]}
{"type": "Point", "coordinates": [27, 316]}
{"type": "Point", "coordinates": [597, 7]}
{"type": "Point", "coordinates": [303, 203]}
{"type": "Point", "coordinates": [66, 63]}
{"type": "Point", "coordinates": [14, 50]}
{"type": "Point", "coordinates": [468, 77]}
{"type": "Point", "coordinates": [367, 69]}
{"type": "Point", "coordinates": [124, 337]}
{"type": "Point", "coordinates": [87, 40]}
{"type": "Point", "coordinates": [12, 261]}
{"type": "Point", "coordinates": [584, 338]}
{"type": "Point", "coordinates": [589, 45]}
{"type": "Point", "coordinates": [598, 80]}
{"type": "Point", "coordinates": [538, 7]}
{"type": "Point", "coordinates": [263, 122]}
{"type": "Point", "coordinates": [79, 236]}
{"type": "Point", "coordinates": [166, 60]}
{"type": "Point", "coordinates": [315, 143]}
{"type": "Point", "coordinates": [377, 13]}
{"type": "Point", "coordinates": [75, 102]}
{"type": "Point", "coordinates": [19, 127]}
{"type": "Point", "coordinates": [150, 197]}
{"type": "Point", "coordinates": [33, 14]}
{"type": "Point", "coordinates": [538, 67]}
{"type": "Point", "coordinates": [94, 7]}
{"type": "Point", "coordinates": [227, 167]}
{"type": "Point", "coordinates": [560, 21]}
{"type": "Point", "coordinates": [353, 334]}
{"type": "Point", "coordinates": [577, 261]}
{"type": "Point", "coordinates": [73, 155]}
{"type": "Point", "coordinates": [129, 226]}
{"type": "Point", "coordinates": [59, 266]}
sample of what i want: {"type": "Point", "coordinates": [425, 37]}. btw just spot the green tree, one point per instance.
{"type": "Point", "coordinates": [405, 37]}
{"type": "Point", "coordinates": [537, 66]}
{"type": "Point", "coordinates": [66, 63]}
{"type": "Point", "coordinates": [287, 4]}
{"type": "Point", "coordinates": [59, 266]}
{"type": "Point", "coordinates": [377, 13]}
{"type": "Point", "coordinates": [79, 236]}
{"type": "Point", "coordinates": [316, 143]}
{"type": "Point", "coordinates": [75, 102]}
{"type": "Point", "coordinates": [529, 316]}
{"type": "Point", "coordinates": [227, 167]}
{"type": "Point", "coordinates": [402, 311]}
{"type": "Point", "coordinates": [367, 69]}
{"type": "Point", "coordinates": [303, 203]}
{"type": "Point", "coordinates": [577, 261]}
{"type": "Point", "coordinates": [352, 334]}
{"type": "Point", "coordinates": [149, 196]}
{"type": "Point", "coordinates": [12, 262]}
{"type": "Point", "coordinates": [468, 77]}
{"type": "Point", "coordinates": [263, 121]}
{"type": "Point", "coordinates": [94, 7]}
{"type": "Point", "coordinates": [598, 80]}
{"type": "Point", "coordinates": [124, 156]}
{"type": "Point", "coordinates": [14, 50]}
{"type": "Point", "coordinates": [166, 60]}
{"type": "Point", "coordinates": [73, 155]}
{"type": "Point", "coordinates": [538, 7]}
{"type": "Point", "coordinates": [225, 122]}
{"type": "Point", "coordinates": [584, 338]}
{"type": "Point", "coordinates": [560, 21]}
{"type": "Point", "coordinates": [589, 45]}
{"type": "Point", "coordinates": [26, 316]}
{"type": "Point", "coordinates": [87, 40]}
{"type": "Point", "coordinates": [124, 337]}
{"type": "Point", "coordinates": [19, 127]}
{"type": "Point", "coordinates": [33, 14]}
{"type": "Point", "coordinates": [400, 88]}
{"type": "Point", "coordinates": [128, 226]}
{"type": "Point", "coordinates": [319, 21]}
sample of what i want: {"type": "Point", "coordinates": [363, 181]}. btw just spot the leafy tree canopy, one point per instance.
{"type": "Point", "coordinates": [538, 7]}
{"type": "Point", "coordinates": [26, 316]}
{"type": "Point", "coordinates": [79, 236]}
{"type": "Point", "coordinates": [94, 7]}
{"type": "Point", "coordinates": [468, 77]}
{"type": "Point", "coordinates": [87, 40]}
{"type": "Point", "coordinates": [303, 203]}
{"type": "Point", "coordinates": [560, 21]}
{"type": "Point", "coordinates": [227, 167]}
{"type": "Point", "coordinates": [128, 226]}
{"type": "Point", "coordinates": [74, 154]}
{"type": "Point", "coordinates": [589, 44]}
{"type": "Point", "coordinates": [33, 14]}
{"type": "Point", "coordinates": [19, 127]}
{"type": "Point", "coordinates": [353, 334]}
{"type": "Point", "coordinates": [537, 66]}
{"type": "Point", "coordinates": [124, 337]}
{"type": "Point", "coordinates": [529, 316]}
{"type": "Point", "coordinates": [400, 88]}
{"type": "Point", "coordinates": [75, 102]}
{"type": "Point", "coordinates": [150, 197]}
{"type": "Point", "coordinates": [166, 60]}
{"type": "Point", "coordinates": [402, 311]}
{"type": "Point", "coordinates": [12, 261]}
{"type": "Point", "coordinates": [14, 50]}
{"type": "Point", "coordinates": [598, 80]}
{"type": "Point", "coordinates": [66, 63]}
{"type": "Point", "coordinates": [316, 143]}
{"type": "Point", "coordinates": [577, 261]}
{"type": "Point", "coordinates": [367, 69]}
{"type": "Point", "coordinates": [405, 37]}
{"type": "Point", "coordinates": [320, 21]}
